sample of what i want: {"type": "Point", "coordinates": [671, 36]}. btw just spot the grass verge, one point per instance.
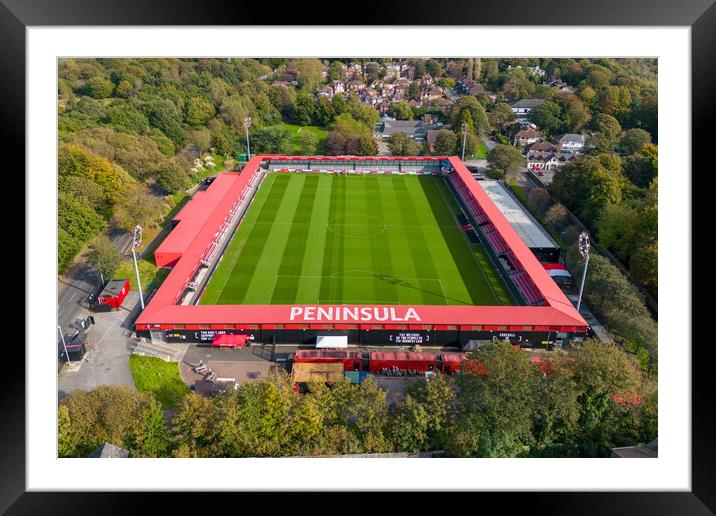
{"type": "Point", "coordinates": [161, 378]}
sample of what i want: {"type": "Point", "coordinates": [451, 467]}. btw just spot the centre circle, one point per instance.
{"type": "Point", "coordinates": [358, 225]}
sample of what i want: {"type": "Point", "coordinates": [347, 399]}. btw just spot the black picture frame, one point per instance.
{"type": "Point", "coordinates": [700, 15]}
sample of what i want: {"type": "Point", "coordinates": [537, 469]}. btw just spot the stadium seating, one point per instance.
{"type": "Point", "coordinates": [513, 268]}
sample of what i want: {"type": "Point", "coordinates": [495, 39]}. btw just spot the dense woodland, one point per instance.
{"type": "Point", "coordinates": [500, 405]}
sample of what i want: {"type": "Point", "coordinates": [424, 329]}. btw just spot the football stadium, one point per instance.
{"type": "Point", "coordinates": [377, 250]}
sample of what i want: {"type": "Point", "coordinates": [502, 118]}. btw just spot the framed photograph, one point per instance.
{"type": "Point", "coordinates": [343, 229]}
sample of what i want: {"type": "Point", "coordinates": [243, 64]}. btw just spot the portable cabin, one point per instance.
{"type": "Point", "coordinates": [112, 296]}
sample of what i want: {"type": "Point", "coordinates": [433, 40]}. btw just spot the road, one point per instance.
{"type": "Point", "coordinates": [80, 280]}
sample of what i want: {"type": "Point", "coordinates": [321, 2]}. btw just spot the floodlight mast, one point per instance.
{"type": "Point", "coordinates": [247, 124]}
{"type": "Point", "coordinates": [584, 251]}
{"type": "Point", "coordinates": [64, 345]}
{"type": "Point", "coordinates": [136, 242]}
{"type": "Point", "coordinates": [464, 140]}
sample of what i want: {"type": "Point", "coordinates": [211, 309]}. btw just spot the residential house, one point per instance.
{"type": "Point", "coordinates": [326, 91]}
{"type": "Point", "coordinates": [559, 85]}
{"type": "Point", "coordinates": [522, 108]}
{"type": "Point", "coordinates": [431, 93]}
{"type": "Point", "coordinates": [109, 451]}
{"type": "Point", "coordinates": [355, 85]}
{"type": "Point", "coordinates": [444, 104]}
{"type": "Point", "coordinates": [536, 70]}
{"type": "Point", "coordinates": [426, 80]}
{"type": "Point", "coordinates": [649, 450]}
{"type": "Point", "coordinates": [572, 143]}
{"type": "Point", "coordinates": [289, 75]}
{"type": "Point", "coordinates": [338, 86]}
{"type": "Point", "coordinates": [525, 136]}
{"type": "Point", "coordinates": [414, 129]}
{"type": "Point", "coordinates": [468, 86]}
{"type": "Point", "coordinates": [543, 155]}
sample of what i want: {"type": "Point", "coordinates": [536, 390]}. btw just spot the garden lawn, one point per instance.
{"type": "Point", "coordinates": [161, 378]}
{"type": "Point", "coordinates": [295, 147]}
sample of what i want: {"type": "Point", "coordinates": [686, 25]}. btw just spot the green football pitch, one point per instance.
{"type": "Point", "coordinates": [354, 239]}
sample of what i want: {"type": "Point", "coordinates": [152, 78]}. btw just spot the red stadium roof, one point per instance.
{"type": "Point", "coordinates": [203, 216]}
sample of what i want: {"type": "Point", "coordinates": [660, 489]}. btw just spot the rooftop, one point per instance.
{"type": "Point", "coordinates": [109, 451]}
{"type": "Point", "coordinates": [527, 103]}
{"type": "Point", "coordinates": [524, 224]}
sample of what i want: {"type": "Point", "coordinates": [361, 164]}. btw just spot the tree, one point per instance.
{"type": "Point", "coordinates": [194, 428]}
{"type": "Point", "coordinates": [557, 414]}
{"type": "Point", "coordinates": [152, 438]}
{"type": "Point", "coordinates": [588, 184]}
{"type": "Point", "coordinates": [308, 142]}
{"type": "Point", "coordinates": [361, 145]}
{"type": "Point", "coordinates": [606, 132]}
{"type": "Point", "coordinates": [336, 71]}
{"type": "Point", "coordinates": [477, 114]}
{"type": "Point", "coordinates": [346, 125]}
{"type": "Point", "coordinates": [573, 114]}
{"type": "Point", "coordinates": [323, 112]}
{"type": "Point", "coordinates": [165, 116]}
{"type": "Point", "coordinates": [310, 73]}
{"type": "Point", "coordinates": [125, 117]}
{"type": "Point", "coordinates": [616, 229]}
{"type": "Point", "coordinates": [556, 216]}
{"type": "Point", "coordinates": [437, 395]}
{"type": "Point", "coordinates": [104, 256]}
{"type": "Point", "coordinates": [546, 116]}
{"type": "Point", "coordinates": [506, 158]}
{"type": "Point", "coordinates": [283, 98]}
{"type": "Point", "coordinates": [400, 145]}
{"type": "Point", "coordinates": [419, 65]}
{"type": "Point", "coordinates": [600, 370]}
{"type": "Point", "coordinates": [75, 160]}
{"type": "Point", "coordinates": [613, 298]}
{"type": "Point", "coordinates": [495, 404]}
{"type": "Point", "coordinates": [642, 167]}
{"type": "Point", "coordinates": [517, 85]}
{"type": "Point", "coordinates": [538, 199]}
{"type": "Point", "coordinates": [644, 266]}
{"type": "Point", "coordinates": [80, 221]}
{"type": "Point", "coordinates": [414, 90]}
{"type": "Point", "coordinates": [445, 143]}
{"type": "Point", "coordinates": [633, 140]}
{"type": "Point", "coordinates": [372, 72]}
{"type": "Point", "coordinates": [335, 144]}
{"type": "Point", "coordinates": [409, 426]}
{"type": "Point", "coordinates": [139, 207]}
{"type": "Point", "coordinates": [400, 111]}
{"type": "Point", "coordinates": [172, 178]}
{"type": "Point", "coordinates": [109, 413]}
{"type": "Point", "coordinates": [98, 87]}
{"type": "Point", "coordinates": [501, 116]}
{"type": "Point", "coordinates": [198, 112]}
{"type": "Point", "coordinates": [124, 89]}
{"type": "Point", "coordinates": [616, 101]}
{"type": "Point", "coordinates": [270, 140]}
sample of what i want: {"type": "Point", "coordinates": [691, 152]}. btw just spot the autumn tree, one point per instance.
{"type": "Point", "coordinates": [507, 159]}
{"type": "Point", "coordinates": [104, 256]}
{"type": "Point", "coordinates": [496, 403]}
